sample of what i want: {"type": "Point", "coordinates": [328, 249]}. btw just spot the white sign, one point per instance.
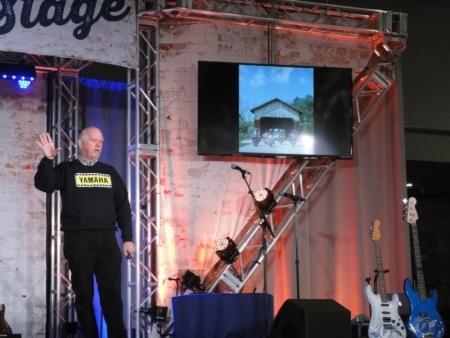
{"type": "Point", "coordinates": [94, 30]}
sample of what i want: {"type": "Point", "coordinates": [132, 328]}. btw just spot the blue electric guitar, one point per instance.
{"type": "Point", "coordinates": [385, 321]}
{"type": "Point", "coordinates": [424, 321]}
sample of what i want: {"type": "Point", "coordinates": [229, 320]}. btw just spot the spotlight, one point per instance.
{"type": "Point", "coordinates": [156, 313]}
{"type": "Point", "coordinates": [23, 74]}
{"type": "Point", "coordinates": [385, 53]}
{"type": "Point", "coordinates": [266, 200]}
{"type": "Point", "coordinates": [191, 281]}
{"type": "Point", "coordinates": [226, 250]}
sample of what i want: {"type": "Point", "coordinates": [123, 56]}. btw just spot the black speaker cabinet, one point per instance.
{"type": "Point", "coordinates": [311, 318]}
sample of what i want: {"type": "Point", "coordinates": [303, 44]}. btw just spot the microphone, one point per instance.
{"type": "Point", "coordinates": [293, 197]}
{"type": "Point", "coordinates": [236, 167]}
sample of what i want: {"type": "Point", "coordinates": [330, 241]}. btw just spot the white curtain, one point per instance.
{"type": "Point", "coordinates": [336, 251]}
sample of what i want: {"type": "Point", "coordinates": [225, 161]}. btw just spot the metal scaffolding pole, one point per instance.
{"type": "Point", "coordinates": [63, 126]}
{"type": "Point", "coordinates": [143, 181]}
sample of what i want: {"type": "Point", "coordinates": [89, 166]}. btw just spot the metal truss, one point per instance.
{"type": "Point", "coordinates": [64, 120]}
{"type": "Point", "coordinates": [386, 30]}
{"type": "Point", "coordinates": [288, 15]}
{"type": "Point", "coordinates": [143, 181]}
{"type": "Point", "coordinates": [63, 124]}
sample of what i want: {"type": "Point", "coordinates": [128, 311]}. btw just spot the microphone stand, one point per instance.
{"type": "Point", "coordinates": [264, 225]}
{"type": "Point", "coordinates": [295, 199]}
{"type": "Point", "coordinates": [297, 261]}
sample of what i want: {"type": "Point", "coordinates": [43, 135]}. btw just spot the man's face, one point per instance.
{"type": "Point", "coordinates": [91, 146]}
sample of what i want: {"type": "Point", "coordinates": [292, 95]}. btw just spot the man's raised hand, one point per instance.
{"type": "Point", "coordinates": [47, 146]}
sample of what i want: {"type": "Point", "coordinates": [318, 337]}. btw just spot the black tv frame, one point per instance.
{"type": "Point", "coordinates": [218, 113]}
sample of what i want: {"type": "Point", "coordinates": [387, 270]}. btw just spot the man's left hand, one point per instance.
{"type": "Point", "coordinates": [128, 249]}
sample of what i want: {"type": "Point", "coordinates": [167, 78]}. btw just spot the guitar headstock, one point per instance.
{"type": "Point", "coordinates": [411, 212]}
{"type": "Point", "coordinates": [375, 233]}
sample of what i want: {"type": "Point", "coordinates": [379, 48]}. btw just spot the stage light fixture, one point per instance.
{"type": "Point", "coordinates": [23, 74]}
{"type": "Point", "coordinates": [156, 313]}
{"type": "Point", "coordinates": [266, 200]}
{"type": "Point", "coordinates": [191, 281]}
{"type": "Point", "coordinates": [227, 250]}
{"type": "Point", "coordinates": [384, 52]}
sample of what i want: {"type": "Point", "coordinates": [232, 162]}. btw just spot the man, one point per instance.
{"type": "Point", "coordinates": [94, 198]}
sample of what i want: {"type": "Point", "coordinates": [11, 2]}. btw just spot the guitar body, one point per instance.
{"type": "Point", "coordinates": [385, 321]}
{"type": "Point", "coordinates": [425, 320]}
{"type": "Point", "coordinates": [4, 327]}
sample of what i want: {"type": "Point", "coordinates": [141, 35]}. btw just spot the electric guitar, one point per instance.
{"type": "Point", "coordinates": [385, 322]}
{"type": "Point", "coordinates": [424, 321]}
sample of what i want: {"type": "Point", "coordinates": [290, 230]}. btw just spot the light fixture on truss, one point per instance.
{"type": "Point", "coordinates": [24, 75]}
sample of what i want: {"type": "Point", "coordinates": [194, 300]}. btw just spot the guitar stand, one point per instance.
{"type": "Point", "coordinates": [375, 284]}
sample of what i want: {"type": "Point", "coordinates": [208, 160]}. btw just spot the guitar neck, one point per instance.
{"type": "Point", "coordinates": [420, 279]}
{"type": "Point", "coordinates": [380, 277]}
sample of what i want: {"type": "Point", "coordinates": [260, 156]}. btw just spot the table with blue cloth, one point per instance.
{"type": "Point", "coordinates": [222, 315]}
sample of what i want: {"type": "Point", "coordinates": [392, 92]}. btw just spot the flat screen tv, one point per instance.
{"type": "Point", "coordinates": [274, 110]}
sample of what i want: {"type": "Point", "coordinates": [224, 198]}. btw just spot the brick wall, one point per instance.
{"type": "Point", "coordinates": [22, 208]}
{"type": "Point", "coordinates": [202, 198]}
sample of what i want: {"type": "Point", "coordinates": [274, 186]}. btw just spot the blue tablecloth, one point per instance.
{"type": "Point", "coordinates": [222, 315]}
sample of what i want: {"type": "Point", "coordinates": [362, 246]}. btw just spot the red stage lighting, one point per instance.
{"type": "Point", "coordinates": [227, 250]}
{"type": "Point", "coordinates": [265, 200]}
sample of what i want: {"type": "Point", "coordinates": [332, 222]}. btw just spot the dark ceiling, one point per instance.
{"type": "Point", "coordinates": [428, 178]}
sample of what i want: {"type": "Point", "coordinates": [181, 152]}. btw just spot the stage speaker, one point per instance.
{"type": "Point", "coordinates": [311, 318]}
